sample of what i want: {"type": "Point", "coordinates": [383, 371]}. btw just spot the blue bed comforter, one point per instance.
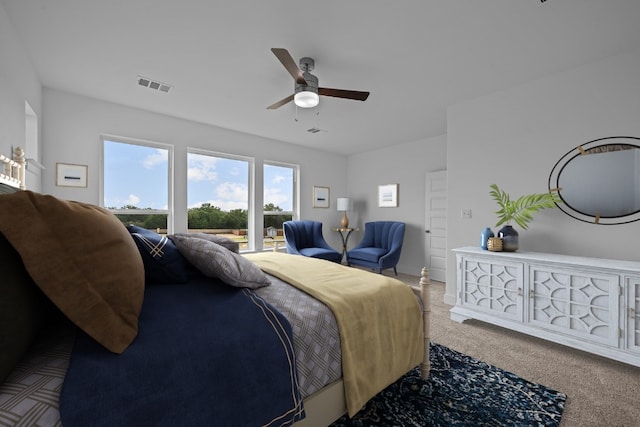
{"type": "Point", "coordinates": [207, 354]}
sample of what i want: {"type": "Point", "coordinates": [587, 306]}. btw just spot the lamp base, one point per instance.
{"type": "Point", "coordinates": [345, 221]}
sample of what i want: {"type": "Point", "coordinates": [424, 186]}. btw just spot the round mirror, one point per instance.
{"type": "Point", "coordinates": [599, 182]}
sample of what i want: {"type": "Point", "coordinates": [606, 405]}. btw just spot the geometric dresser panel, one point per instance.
{"type": "Point", "coordinates": [591, 304]}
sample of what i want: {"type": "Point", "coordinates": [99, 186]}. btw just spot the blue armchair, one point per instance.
{"type": "Point", "coordinates": [380, 247]}
{"type": "Point", "coordinates": [305, 238]}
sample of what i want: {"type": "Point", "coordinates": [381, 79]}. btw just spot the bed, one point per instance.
{"type": "Point", "coordinates": [93, 320]}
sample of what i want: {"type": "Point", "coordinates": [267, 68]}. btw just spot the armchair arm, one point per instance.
{"type": "Point", "coordinates": [392, 257]}
{"type": "Point", "coordinates": [292, 249]}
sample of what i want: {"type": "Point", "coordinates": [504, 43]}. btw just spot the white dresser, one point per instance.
{"type": "Point", "coordinates": [591, 304]}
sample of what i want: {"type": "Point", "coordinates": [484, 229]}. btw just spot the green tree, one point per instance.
{"type": "Point", "coordinates": [274, 220]}
{"type": "Point", "coordinates": [206, 216]}
{"type": "Point", "coordinates": [149, 221]}
{"type": "Point", "coordinates": [153, 222]}
{"type": "Point", "coordinates": [237, 219]}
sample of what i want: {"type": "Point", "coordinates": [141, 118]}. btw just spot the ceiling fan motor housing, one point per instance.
{"type": "Point", "coordinates": [306, 95]}
{"type": "Point", "coordinates": [311, 86]}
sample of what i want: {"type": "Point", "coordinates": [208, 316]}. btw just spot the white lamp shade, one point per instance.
{"type": "Point", "coordinates": [306, 99]}
{"type": "Point", "coordinates": [344, 204]}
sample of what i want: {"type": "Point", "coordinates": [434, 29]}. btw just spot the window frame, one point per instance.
{"type": "Point", "coordinates": [170, 211]}
{"type": "Point", "coordinates": [251, 241]}
{"type": "Point", "coordinates": [295, 205]}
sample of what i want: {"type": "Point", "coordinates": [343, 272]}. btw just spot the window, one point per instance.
{"type": "Point", "coordinates": [218, 189]}
{"type": "Point", "coordinates": [136, 183]}
{"type": "Point", "coordinates": [280, 201]}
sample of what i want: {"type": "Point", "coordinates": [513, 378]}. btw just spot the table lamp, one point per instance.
{"type": "Point", "coordinates": [344, 204]}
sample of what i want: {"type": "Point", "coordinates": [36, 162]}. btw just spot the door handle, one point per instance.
{"type": "Point", "coordinates": [427, 231]}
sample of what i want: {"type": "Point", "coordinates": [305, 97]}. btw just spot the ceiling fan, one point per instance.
{"type": "Point", "coordinates": [307, 93]}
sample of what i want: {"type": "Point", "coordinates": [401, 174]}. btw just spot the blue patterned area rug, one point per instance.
{"type": "Point", "coordinates": [460, 391]}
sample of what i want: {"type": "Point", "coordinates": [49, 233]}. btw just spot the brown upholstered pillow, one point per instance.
{"type": "Point", "coordinates": [83, 259]}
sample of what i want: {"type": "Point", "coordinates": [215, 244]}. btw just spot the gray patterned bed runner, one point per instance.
{"type": "Point", "coordinates": [316, 339]}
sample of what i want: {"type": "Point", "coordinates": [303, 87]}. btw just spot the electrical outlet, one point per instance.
{"type": "Point", "coordinates": [465, 213]}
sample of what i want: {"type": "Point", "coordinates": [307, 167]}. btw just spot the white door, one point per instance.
{"type": "Point", "coordinates": [436, 225]}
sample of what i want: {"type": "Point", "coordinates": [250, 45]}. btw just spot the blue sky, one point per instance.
{"type": "Point", "coordinates": [137, 175]}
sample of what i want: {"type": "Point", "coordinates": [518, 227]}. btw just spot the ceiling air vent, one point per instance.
{"type": "Point", "coordinates": [152, 84]}
{"type": "Point", "coordinates": [315, 130]}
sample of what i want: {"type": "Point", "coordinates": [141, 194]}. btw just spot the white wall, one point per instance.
{"type": "Point", "coordinates": [513, 138]}
{"type": "Point", "coordinates": [18, 83]}
{"type": "Point", "coordinates": [406, 165]}
{"type": "Point", "coordinates": [73, 125]}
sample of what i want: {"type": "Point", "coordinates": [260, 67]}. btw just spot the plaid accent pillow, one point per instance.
{"type": "Point", "coordinates": [162, 261]}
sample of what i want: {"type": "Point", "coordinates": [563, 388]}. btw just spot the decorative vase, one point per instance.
{"type": "Point", "coordinates": [344, 223]}
{"type": "Point", "coordinates": [494, 244]}
{"type": "Point", "coordinates": [485, 236]}
{"type": "Point", "coordinates": [509, 237]}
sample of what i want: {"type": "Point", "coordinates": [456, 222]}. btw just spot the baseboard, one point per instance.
{"type": "Point", "coordinates": [450, 299]}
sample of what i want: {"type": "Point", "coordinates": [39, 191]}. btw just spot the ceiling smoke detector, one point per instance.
{"type": "Point", "coordinates": [152, 84]}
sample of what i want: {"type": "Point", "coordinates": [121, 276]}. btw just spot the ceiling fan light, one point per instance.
{"type": "Point", "coordinates": [306, 99]}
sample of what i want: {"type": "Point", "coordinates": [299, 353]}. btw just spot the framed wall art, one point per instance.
{"type": "Point", "coordinates": [68, 175]}
{"type": "Point", "coordinates": [320, 197]}
{"type": "Point", "coordinates": [388, 196]}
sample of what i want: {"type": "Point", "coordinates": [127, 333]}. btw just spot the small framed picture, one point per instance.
{"type": "Point", "coordinates": [320, 197]}
{"type": "Point", "coordinates": [388, 196]}
{"type": "Point", "coordinates": [68, 175]}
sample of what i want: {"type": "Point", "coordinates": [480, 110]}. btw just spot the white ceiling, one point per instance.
{"type": "Point", "coordinates": [416, 57]}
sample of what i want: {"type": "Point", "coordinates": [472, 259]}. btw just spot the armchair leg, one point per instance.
{"type": "Point", "coordinates": [394, 270]}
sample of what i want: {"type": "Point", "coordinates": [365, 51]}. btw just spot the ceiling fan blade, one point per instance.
{"type": "Point", "coordinates": [280, 103]}
{"type": "Point", "coordinates": [288, 62]}
{"type": "Point", "coordinates": [341, 93]}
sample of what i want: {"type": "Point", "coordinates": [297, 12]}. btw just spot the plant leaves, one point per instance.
{"type": "Point", "coordinates": [522, 209]}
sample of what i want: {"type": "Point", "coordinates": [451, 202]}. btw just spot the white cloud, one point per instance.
{"type": "Point", "coordinates": [159, 157]}
{"type": "Point", "coordinates": [228, 196]}
{"type": "Point", "coordinates": [133, 199]}
{"type": "Point", "coordinates": [233, 192]}
{"type": "Point", "coordinates": [202, 168]}
{"type": "Point", "coordinates": [278, 179]}
{"type": "Point", "coordinates": [198, 174]}
{"type": "Point", "coordinates": [275, 196]}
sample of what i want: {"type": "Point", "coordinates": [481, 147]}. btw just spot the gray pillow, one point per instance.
{"type": "Point", "coordinates": [214, 260]}
{"type": "Point", "coordinates": [232, 245]}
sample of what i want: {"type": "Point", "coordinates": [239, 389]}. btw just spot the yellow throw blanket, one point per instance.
{"type": "Point", "coordinates": [379, 319]}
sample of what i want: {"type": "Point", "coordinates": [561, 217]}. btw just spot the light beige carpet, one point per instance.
{"type": "Point", "coordinates": [601, 392]}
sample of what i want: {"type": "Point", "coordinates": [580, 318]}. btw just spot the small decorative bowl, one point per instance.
{"type": "Point", "coordinates": [494, 244]}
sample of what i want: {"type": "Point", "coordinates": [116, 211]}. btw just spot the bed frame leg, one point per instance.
{"type": "Point", "coordinates": [425, 366]}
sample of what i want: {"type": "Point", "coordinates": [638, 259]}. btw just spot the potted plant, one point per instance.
{"type": "Point", "coordinates": [519, 211]}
